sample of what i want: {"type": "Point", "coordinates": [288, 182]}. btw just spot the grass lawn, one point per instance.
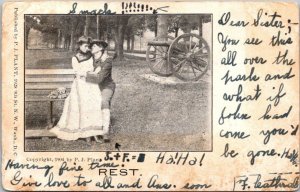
{"type": "Point", "coordinates": [146, 116]}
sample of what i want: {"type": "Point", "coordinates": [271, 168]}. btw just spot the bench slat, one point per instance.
{"type": "Point", "coordinates": [47, 86]}
{"type": "Point", "coordinates": [49, 80]}
{"type": "Point", "coordinates": [49, 72]}
{"type": "Point", "coordinates": [38, 133]}
{"type": "Point", "coordinates": [43, 98]}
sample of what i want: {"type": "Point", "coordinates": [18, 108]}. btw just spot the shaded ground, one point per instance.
{"type": "Point", "coordinates": [61, 59]}
{"type": "Point", "coordinates": [146, 116]}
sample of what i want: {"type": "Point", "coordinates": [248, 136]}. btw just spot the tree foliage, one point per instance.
{"type": "Point", "coordinates": [151, 23]}
{"type": "Point", "coordinates": [62, 31]}
{"type": "Point", "coordinates": [136, 25]}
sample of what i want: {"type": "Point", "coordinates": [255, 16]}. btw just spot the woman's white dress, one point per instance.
{"type": "Point", "coordinates": [82, 116]}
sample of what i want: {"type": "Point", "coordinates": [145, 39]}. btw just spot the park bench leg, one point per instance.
{"type": "Point", "coordinates": [50, 120]}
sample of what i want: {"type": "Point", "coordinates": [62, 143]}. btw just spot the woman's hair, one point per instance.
{"type": "Point", "coordinates": [82, 40]}
{"type": "Point", "coordinates": [77, 47]}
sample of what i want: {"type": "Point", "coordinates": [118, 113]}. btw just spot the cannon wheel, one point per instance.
{"type": "Point", "coordinates": [189, 57]}
{"type": "Point", "coordinates": [157, 58]}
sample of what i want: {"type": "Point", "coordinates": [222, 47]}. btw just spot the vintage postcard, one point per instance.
{"type": "Point", "coordinates": [150, 96]}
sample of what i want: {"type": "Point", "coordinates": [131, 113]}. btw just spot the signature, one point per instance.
{"type": "Point", "coordinates": [255, 181]}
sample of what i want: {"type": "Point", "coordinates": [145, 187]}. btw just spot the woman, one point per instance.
{"type": "Point", "coordinates": [103, 68]}
{"type": "Point", "coordinates": [82, 115]}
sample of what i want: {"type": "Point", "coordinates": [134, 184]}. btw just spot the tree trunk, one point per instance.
{"type": "Point", "coordinates": [72, 41]}
{"type": "Point", "coordinates": [58, 39]}
{"type": "Point", "coordinates": [162, 27]}
{"type": "Point", "coordinates": [63, 41]}
{"type": "Point", "coordinates": [200, 28]}
{"type": "Point", "coordinates": [132, 43]}
{"type": "Point", "coordinates": [26, 37]}
{"type": "Point", "coordinates": [119, 39]}
{"type": "Point", "coordinates": [105, 36]}
{"type": "Point", "coordinates": [187, 29]}
{"type": "Point", "coordinates": [176, 32]}
{"type": "Point", "coordinates": [87, 25]}
{"type": "Point", "coordinates": [67, 44]}
{"type": "Point", "coordinates": [119, 31]}
{"type": "Point", "coordinates": [128, 42]}
{"type": "Point", "coordinates": [98, 33]}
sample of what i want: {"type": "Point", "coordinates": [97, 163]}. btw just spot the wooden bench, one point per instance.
{"type": "Point", "coordinates": [38, 84]}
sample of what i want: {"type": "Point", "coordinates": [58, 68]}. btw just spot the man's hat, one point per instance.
{"type": "Point", "coordinates": [84, 39]}
{"type": "Point", "coordinates": [99, 42]}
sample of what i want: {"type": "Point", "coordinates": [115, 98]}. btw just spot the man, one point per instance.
{"type": "Point", "coordinates": [103, 64]}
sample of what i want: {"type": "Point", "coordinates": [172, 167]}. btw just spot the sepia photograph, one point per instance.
{"type": "Point", "coordinates": [150, 96]}
{"type": "Point", "coordinates": [118, 82]}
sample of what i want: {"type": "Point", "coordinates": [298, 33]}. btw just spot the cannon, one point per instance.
{"type": "Point", "coordinates": [187, 57]}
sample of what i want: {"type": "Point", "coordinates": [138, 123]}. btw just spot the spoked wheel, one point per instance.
{"type": "Point", "coordinates": [189, 57]}
{"type": "Point", "coordinates": [157, 56]}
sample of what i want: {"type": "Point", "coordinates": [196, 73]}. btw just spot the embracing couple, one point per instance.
{"type": "Point", "coordinates": [86, 112]}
